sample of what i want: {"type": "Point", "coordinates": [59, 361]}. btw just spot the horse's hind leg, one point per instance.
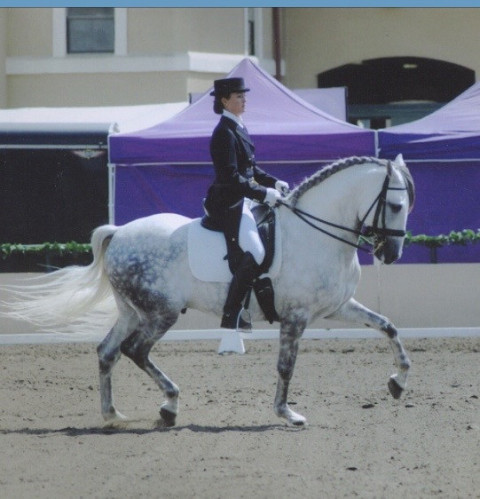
{"type": "Point", "coordinates": [352, 311]}
{"type": "Point", "coordinates": [290, 332]}
{"type": "Point", "coordinates": [108, 354]}
{"type": "Point", "coordinates": [137, 347]}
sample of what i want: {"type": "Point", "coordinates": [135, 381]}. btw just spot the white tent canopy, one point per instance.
{"type": "Point", "coordinates": [121, 118]}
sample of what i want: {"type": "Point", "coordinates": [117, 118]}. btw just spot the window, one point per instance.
{"type": "Point", "coordinates": [253, 37]}
{"type": "Point", "coordinates": [90, 30]}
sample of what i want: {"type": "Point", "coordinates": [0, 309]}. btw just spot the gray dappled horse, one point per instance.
{"type": "Point", "coordinates": [145, 265]}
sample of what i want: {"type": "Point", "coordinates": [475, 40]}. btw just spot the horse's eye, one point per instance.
{"type": "Point", "coordinates": [395, 207]}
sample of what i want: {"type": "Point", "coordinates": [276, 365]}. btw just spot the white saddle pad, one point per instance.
{"type": "Point", "coordinates": [207, 250]}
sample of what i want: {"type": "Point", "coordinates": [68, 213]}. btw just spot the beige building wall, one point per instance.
{"type": "Point", "coordinates": [29, 32]}
{"type": "Point", "coordinates": [161, 55]}
{"type": "Point", "coordinates": [64, 90]}
{"type": "Point", "coordinates": [170, 30]}
{"type": "Point", "coordinates": [205, 30]}
{"type": "Point", "coordinates": [318, 39]}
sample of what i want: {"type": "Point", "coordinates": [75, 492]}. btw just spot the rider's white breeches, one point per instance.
{"type": "Point", "coordinates": [248, 237]}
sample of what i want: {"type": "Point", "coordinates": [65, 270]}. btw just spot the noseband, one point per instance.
{"type": "Point", "coordinates": [374, 230]}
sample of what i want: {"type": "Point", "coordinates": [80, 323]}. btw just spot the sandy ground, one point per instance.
{"type": "Point", "coordinates": [228, 443]}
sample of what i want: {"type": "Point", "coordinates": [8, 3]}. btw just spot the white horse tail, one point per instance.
{"type": "Point", "coordinates": [78, 298]}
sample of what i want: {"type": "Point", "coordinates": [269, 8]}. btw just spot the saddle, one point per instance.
{"type": "Point", "coordinates": [264, 216]}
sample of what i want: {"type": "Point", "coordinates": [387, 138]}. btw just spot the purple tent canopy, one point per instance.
{"type": "Point", "coordinates": [451, 132]}
{"type": "Point", "coordinates": [442, 151]}
{"type": "Point", "coordinates": [167, 168]}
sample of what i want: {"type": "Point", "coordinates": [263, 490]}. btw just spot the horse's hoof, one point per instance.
{"type": "Point", "coordinates": [394, 388]}
{"type": "Point", "coordinates": [296, 420]}
{"type": "Point", "coordinates": [168, 417]}
{"type": "Point", "coordinates": [114, 416]}
{"type": "Point", "coordinates": [298, 423]}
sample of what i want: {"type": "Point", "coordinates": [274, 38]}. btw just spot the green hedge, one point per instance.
{"type": "Point", "coordinates": [463, 237]}
{"type": "Point", "coordinates": [8, 249]}
{"type": "Point", "coordinates": [44, 257]}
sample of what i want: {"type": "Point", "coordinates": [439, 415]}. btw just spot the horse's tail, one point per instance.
{"type": "Point", "coordinates": [78, 297]}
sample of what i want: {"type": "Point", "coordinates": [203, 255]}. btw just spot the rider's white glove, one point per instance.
{"type": "Point", "coordinates": [272, 196]}
{"type": "Point", "coordinates": [282, 186]}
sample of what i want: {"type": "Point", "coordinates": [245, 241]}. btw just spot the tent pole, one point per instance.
{"type": "Point", "coordinates": [111, 193]}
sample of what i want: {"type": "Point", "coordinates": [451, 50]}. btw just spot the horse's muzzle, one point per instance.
{"type": "Point", "coordinates": [388, 249]}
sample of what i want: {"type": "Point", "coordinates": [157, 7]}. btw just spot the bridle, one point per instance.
{"type": "Point", "coordinates": [379, 232]}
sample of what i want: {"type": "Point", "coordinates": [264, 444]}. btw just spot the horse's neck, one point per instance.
{"type": "Point", "coordinates": [335, 200]}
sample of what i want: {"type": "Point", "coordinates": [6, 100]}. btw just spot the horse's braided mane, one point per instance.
{"type": "Point", "coordinates": [327, 172]}
{"type": "Point", "coordinates": [342, 164]}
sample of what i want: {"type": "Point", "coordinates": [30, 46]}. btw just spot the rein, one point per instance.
{"type": "Point", "coordinates": [380, 201]}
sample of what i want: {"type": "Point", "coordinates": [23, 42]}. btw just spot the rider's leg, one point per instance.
{"type": "Point", "coordinates": [248, 236]}
{"type": "Point", "coordinates": [247, 270]}
{"type": "Point", "coordinates": [243, 278]}
{"type": "Point", "coordinates": [249, 240]}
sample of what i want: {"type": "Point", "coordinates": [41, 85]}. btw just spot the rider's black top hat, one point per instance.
{"type": "Point", "coordinates": [227, 86]}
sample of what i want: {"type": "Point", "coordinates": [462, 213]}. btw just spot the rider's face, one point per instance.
{"type": "Point", "coordinates": [235, 103]}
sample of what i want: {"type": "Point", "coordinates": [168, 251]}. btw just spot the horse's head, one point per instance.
{"type": "Point", "coordinates": [386, 219]}
{"type": "Point", "coordinates": [381, 212]}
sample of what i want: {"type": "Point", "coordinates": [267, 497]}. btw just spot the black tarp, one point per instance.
{"type": "Point", "coordinates": [53, 182]}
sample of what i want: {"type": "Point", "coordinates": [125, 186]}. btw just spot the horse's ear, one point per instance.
{"type": "Point", "coordinates": [389, 168]}
{"type": "Point", "coordinates": [399, 160]}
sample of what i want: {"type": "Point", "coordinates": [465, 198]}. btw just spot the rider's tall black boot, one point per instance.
{"type": "Point", "coordinates": [243, 278]}
{"type": "Point", "coordinates": [265, 296]}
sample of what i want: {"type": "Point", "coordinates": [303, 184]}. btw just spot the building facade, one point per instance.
{"type": "Point", "coordinates": [126, 56]}
{"type": "Point", "coordinates": [146, 56]}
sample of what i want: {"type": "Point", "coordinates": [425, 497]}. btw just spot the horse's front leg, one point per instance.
{"type": "Point", "coordinates": [352, 311]}
{"type": "Point", "coordinates": [291, 331]}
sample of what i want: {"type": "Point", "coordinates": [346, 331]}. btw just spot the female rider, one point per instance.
{"type": "Point", "coordinates": [238, 182]}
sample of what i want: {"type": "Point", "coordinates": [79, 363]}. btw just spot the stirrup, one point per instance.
{"type": "Point", "coordinates": [241, 322]}
{"type": "Point", "coordinates": [244, 321]}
